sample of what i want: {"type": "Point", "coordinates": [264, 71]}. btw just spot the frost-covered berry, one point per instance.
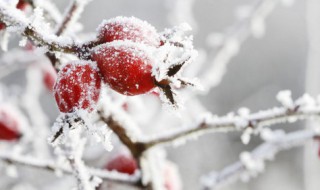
{"type": "Point", "coordinates": [128, 28]}
{"type": "Point", "coordinates": [77, 86]}
{"type": "Point", "coordinates": [49, 77]}
{"type": "Point", "coordinates": [122, 163]}
{"type": "Point", "coordinates": [8, 126]}
{"type": "Point", "coordinates": [125, 66]}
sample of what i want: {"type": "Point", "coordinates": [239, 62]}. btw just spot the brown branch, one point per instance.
{"type": "Point", "coordinates": [136, 148]}
{"type": "Point", "coordinates": [61, 28]}
{"type": "Point", "coordinates": [13, 17]}
{"type": "Point", "coordinates": [68, 18]}
{"type": "Point", "coordinates": [31, 33]}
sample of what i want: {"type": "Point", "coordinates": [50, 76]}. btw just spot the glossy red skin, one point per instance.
{"type": "Point", "coordinates": [8, 127]}
{"type": "Point", "coordinates": [123, 164]}
{"type": "Point", "coordinates": [77, 87]}
{"type": "Point", "coordinates": [49, 78]}
{"type": "Point", "coordinates": [123, 70]}
{"type": "Point", "coordinates": [21, 5]}
{"type": "Point", "coordinates": [127, 29]}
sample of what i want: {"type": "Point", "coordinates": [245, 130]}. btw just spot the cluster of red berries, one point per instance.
{"type": "Point", "coordinates": [123, 63]}
{"type": "Point", "coordinates": [21, 6]}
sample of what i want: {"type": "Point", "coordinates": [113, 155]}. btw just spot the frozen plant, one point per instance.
{"type": "Point", "coordinates": [131, 82]}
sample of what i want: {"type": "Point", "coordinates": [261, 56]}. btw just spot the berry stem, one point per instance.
{"type": "Point", "coordinates": [70, 16]}
{"type": "Point", "coordinates": [77, 120]}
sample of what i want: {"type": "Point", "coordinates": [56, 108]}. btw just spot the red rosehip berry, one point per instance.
{"type": "Point", "coordinates": [123, 164]}
{"type": "Point", "coordinates": [77, 87]}
{"type": "Point", "coordinates": [49, 77]}
{"type": "Point", "coordinates": [8, 127]}
{"type": "Point", "coordinates": [125, 67]}
{"type": "Point", "coordinates": [128, 28]}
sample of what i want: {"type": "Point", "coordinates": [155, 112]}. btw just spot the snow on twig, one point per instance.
{"type": "Point", "coordinates": [304, 108]}
{"type": "Point", "coordinates": [50, 9]}
{"type": "Point", "coordinates": [77, 164]}
{"type": "Point", "coordinates": [52, 166]}
{"type": "Point", "coordinates": [251, 164]}
{"type": "Point", "coordinates": [71, 15]}
{"type": "Point", "coordinates": [19, 23]}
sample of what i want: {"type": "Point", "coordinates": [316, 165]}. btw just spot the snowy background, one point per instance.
{"type": "Point", "coordinates": [263, 67]}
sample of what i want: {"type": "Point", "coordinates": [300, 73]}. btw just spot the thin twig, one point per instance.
{"type": "Point", "coordinates": [260, 154]}
{"type": "Point", "coordinates": [224, 124]}
{"type": "Point", "coordinates": [74, 9]}
{"type": "Point", "coordinates": [53, 43]}
{"type": "Point", "coordinates": [51, 166]}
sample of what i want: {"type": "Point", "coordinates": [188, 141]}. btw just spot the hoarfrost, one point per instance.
{"type": "Point", "coordinates": [284, 97]}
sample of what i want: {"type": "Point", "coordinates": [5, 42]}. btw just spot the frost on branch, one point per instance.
{"type": "Point", "coordinates": [72, 146]}
{"type": "Point", "coordinates": [252, 163]}
{"type": "Point", "coordinates": [284, 97]}
{"type": "Point", "coordinates": [94, 113]}
{"type": "Point", "coordinates": [80, 119]}
{"type": "Point", "coordinates": [252, 123]}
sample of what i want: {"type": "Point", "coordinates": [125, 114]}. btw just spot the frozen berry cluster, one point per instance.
{"type": "Point", "coordinates": [121, 60]}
